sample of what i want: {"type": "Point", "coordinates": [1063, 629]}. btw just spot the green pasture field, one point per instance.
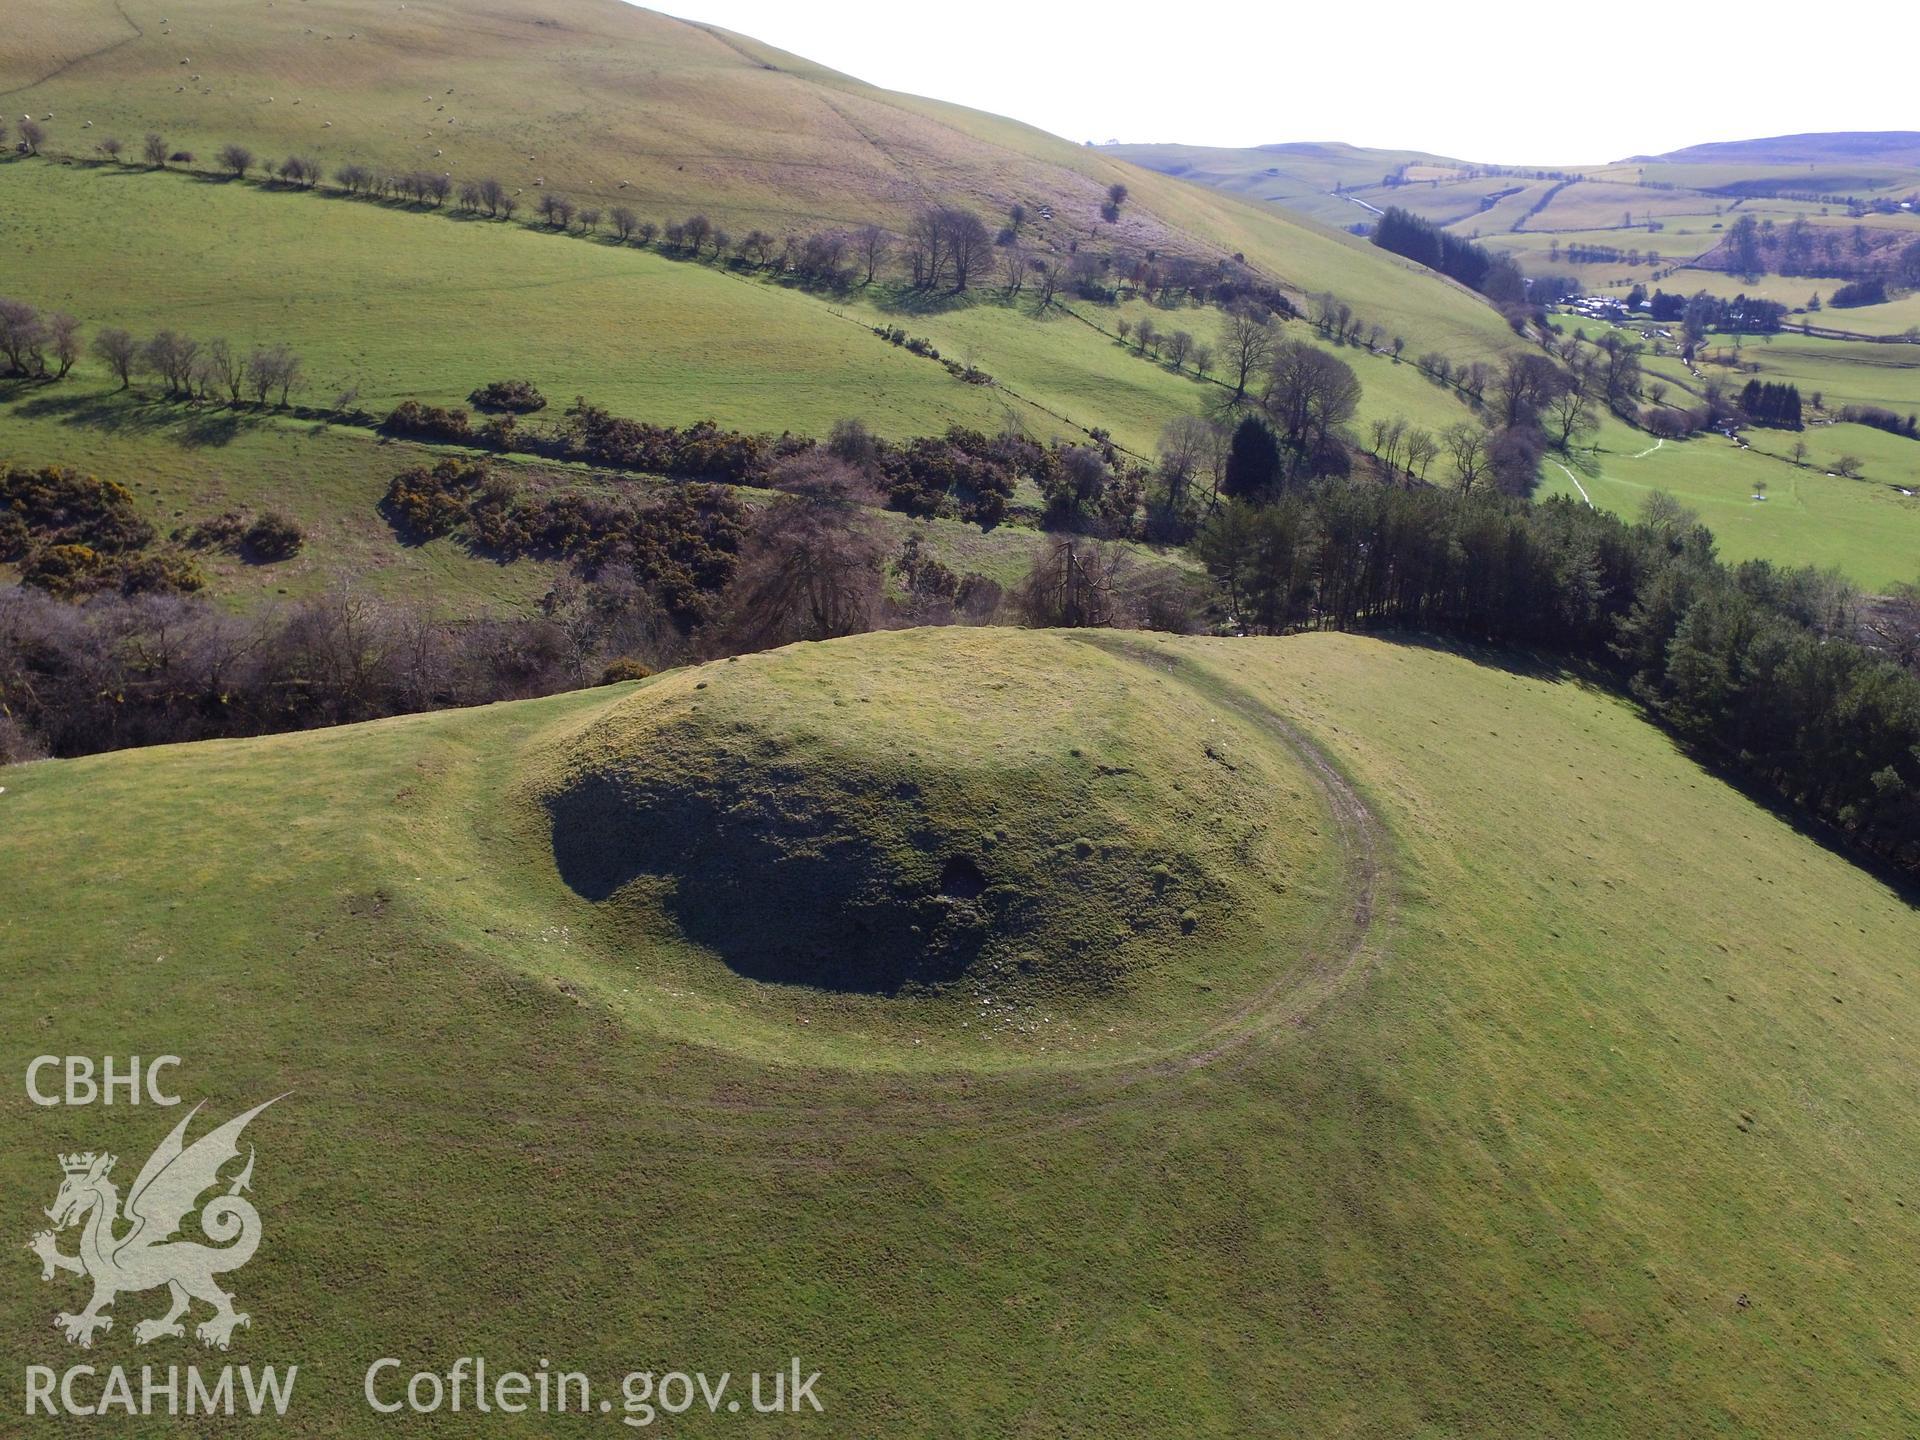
{"type": "Point", "coordinates": [400, 305]}
{"type": "Point", "coordinates": [1593, 204]}
{"type": "Point", "coordinates": [1843, 371]}
{"type": "Point", "coordinates": [186, 466]}
{"type": "Point", "coordinates": [1898, 316]}
{"type": "Point", "coordinates": [1864, 528]}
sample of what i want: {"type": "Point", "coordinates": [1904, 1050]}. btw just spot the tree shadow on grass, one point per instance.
{"type": "Point", "coordinates": [904, 300]}
{"type": "Point", "coordinates": [1525, 664]}
{"type": "Point", "coordinates": [123, 412]}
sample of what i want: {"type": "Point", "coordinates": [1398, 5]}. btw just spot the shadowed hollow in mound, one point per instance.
{"type": "Point", "coordinates": [910, 809]}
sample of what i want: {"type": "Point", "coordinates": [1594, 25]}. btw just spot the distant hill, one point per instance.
{"type": "Point", "coordinates": [1301, 176]}
{"type": "Point", "coordinates": [1880, 147]}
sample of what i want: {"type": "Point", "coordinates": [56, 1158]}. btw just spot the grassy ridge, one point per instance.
{"type": "Point", "coordinates": [404, 305]}
{"type": "Point", "coordinates": [606, 100]}
{"type": "Point", "coordinates": [1463, 1196]}
{"type": "Point", "coordinates": [669, 339]}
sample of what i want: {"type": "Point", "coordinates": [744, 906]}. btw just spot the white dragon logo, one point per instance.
{"type": "Point", "coordinates": [146, 1256]}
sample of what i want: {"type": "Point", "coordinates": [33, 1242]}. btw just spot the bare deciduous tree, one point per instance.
{"type": "Point", "coordinates": [813, 567]}
{"type": "Point", "coordinates": [871, 244]}
{"type": "Point", "coordinates": [1074, 582]}
{"type": "Point", "coordinates": [272, 370]}
{"type": "Point", "coordinates": [171, 356]}
{"type": "Point", "coordinates": [23, 337]}
{"type": "Point", "coordinates": [968, 245]}
{"type": "Point", "coordinates": [1466, 445]}
{"type": "Point", "coordinates": [118, 351]}
{"type": "Point", "coordinates": [1049, 276]}
{"type": "Point", "coordinates": [1246, 345]}
{"type": "Point", "coordinates": [228, 369]}
{"type": "Point", "coordinates": [63, 342]}
{"type": "Point", "coordinates": [1422, 447]}
{"type": "Point", "coordinates": [1013, 270]}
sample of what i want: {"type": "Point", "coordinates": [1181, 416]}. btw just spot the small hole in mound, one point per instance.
{"type": "Point", "coordinates": [961, 878]}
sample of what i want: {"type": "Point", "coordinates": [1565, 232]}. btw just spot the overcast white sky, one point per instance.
{"type": "Point", "coordinates": [1571, 84]}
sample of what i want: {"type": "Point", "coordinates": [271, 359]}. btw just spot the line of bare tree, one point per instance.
{"type": "Point", "coordinates": [202, 371]}
{"type": "Point", "coordinates": [946, 247]}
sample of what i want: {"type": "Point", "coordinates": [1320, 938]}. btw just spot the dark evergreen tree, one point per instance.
{"type": "Point", "coordinates": [1253, 461]}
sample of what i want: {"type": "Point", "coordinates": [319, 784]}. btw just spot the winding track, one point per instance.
{"type": "Point", "coordinates": [1343, 946]}
{"type": "Point", "coordinates": [1576, 484]}
{"type": "Point", "coordinates": [78, 60]}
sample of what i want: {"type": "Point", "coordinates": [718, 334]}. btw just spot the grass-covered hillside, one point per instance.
{"type": "Point", "coordinates": [609, 102]}
{"type": "Point", "coordinates": [646, 333]}
{"type": "Point", "coordinates": [1467, 1061]}
{"type": "Point", "coordinates": [385, 303]}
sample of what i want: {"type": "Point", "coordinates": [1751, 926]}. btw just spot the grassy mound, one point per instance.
{"type": "Point", "coordinates": [926, 807]}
